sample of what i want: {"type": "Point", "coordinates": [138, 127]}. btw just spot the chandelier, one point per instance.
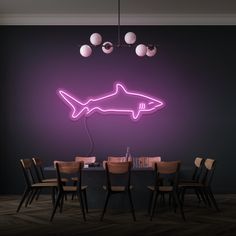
{"type": "Point", "coordinates": [107, 47]}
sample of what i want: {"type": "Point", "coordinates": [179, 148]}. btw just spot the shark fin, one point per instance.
{"type": "Point", "coordinates": [120, 88]}
{"type": "Point", "coordinates": [136, 114]}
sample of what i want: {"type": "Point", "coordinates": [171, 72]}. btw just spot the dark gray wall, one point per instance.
{"type": "Point", "coordinates": [194, 73]}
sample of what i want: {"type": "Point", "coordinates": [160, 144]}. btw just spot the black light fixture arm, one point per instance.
{"type": "Point", "coordinates": [118, 30]}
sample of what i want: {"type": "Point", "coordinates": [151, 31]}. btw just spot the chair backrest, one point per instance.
{"type": "Point", "coordinates": [26, 165]}
{"type": "Point", "coordinates": [116, 159]}
{"type": "Point", "coordinates": [69, 168]}
{"type": "Point", "coordinates": [148, 161]}
{"type": "Point", "coordinates": [167, 171]}
{"type": "Point", "coordinates": [209, 169]}
{"type": "Point", "coordinates": [121, 169]}
{"type": "Point", "coordinates": [38, 166]}
{"type": "Point", "coordinates": [198, 162]}
{"type": "Point", "coordinates": [86, 160]}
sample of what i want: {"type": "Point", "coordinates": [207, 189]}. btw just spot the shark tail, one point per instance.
{"type": "Point", "coordinates": [77, 107]}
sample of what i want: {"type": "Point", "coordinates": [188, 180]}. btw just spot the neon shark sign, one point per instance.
{"type": "Point", "coordinates": [120, 101]}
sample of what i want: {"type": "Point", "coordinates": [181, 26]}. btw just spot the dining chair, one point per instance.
{"type": "Point", "coordinates": [69, 168]}
{"type": "Point", "coordinates": [203, 185]}
{"type": "Point", "coordinates": [38, 167]}
{"type": "Point", "coordinates": [33, 187]}
{"type": "Point", "coordinates": [197, 171]}
{"type": "Point", "coordinates": [118, 171]}
{"type": "Point", "coordinates": [166, 182]}
{"type": "Point", "coordinates": [87, 160]}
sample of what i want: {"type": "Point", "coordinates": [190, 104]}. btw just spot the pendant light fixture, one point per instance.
{"type": "Point", "coordinates": [107, 47]}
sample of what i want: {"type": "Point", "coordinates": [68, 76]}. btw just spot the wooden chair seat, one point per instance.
{"type": "Point", "coordinates": [76, 179]}
{"type": "Point", "coordinates": [190, 185]}
{"type": "Point", "coordinates": [161, 188]}
{"type": "Point", "coordinates": [54, 180]}
{"type": "Point", "coordinates": [118, 188]}
{"type": "Point", "coordinates": [73, 188]}
{"type": "Point", "coordinates": [43, 185]}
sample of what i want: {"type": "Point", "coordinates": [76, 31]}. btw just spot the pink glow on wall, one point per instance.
{"type": "Point", "coordinates": [120, 101]}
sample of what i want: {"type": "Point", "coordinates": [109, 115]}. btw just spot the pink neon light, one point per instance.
{"type": "Point", "coordinates": [120, 101]}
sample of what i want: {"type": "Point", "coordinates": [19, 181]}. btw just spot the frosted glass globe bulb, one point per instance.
{"type": "Point", "coordinates": [141, 50]}
{"type": "Point", "coordinates": [85, 50]}
{"type": "Point", "coordinates": [96, 39]}
{"type": "Point", "coordinates": [130, 38]}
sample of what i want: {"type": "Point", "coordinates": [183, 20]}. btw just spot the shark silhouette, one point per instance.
{"type": "Point", "coordinates": [120, 101]}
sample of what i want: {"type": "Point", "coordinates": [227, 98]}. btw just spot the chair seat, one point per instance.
{"type": "Point", "coordinates": [161, 188]}
{"type": "Point", "coordinates": [73, 188]}
{"type": "Point", "coordinates": [75, 179]}
{"type": "Point", "coordinates": [38, 185]}
{"type": "Point", "coordinates": [188, 181]}
{"type": "Point", "coordinates": [189, 184]}
{"type": "Point", "coordinates": [54, 180]}
{"type": "Point", "coordinates": [165, 188]}
{"type": "Point", "coordinates": [117, 188]}
{"type": "Point", "coordinates": [152, 188]}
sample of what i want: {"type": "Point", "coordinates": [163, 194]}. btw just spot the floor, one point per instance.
{"type": "Point", "coordinates": [34, 220]}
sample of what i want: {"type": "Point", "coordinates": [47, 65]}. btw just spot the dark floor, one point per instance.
{"type": "Point", "coordinates": [34, 220]}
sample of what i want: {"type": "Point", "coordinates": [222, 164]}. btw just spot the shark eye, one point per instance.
{"type": "Point", "coordinates": [150, 103]}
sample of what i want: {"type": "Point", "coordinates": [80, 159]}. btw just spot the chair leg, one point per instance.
{"type": "Point", "coordinates": [150, 203]}
{"type": "Point", "coordinates": [132, 205]}
{"type": "Point", "coordinates": [179, 204]}
{"type": "Point", "coordinates": [206, 196]}
{"type": "Point", "coordinates": [56, 205]}
{"type": "Point", "coordinates": [212, 199]}
{"type": "Point", "coordinates": [29, 197]}
{"type": "Point", "coordinates": [154, 204]}
{"type": "Point", "coordinates": [33, 195]}
{"type": "Point", "coordinates": [183, 190]}
{"type": "Point", "coordinates": [54, 190]}
{"type": "Point", "coordinates": [201, 193]}
{"type": "Point", "coordinates": [85, 200]}
{"type": "Point", "coordinates": [82, 205]}
{"type": "Point", "coordinates": [25, 194]}
{"type": "Point", "coordinates": [62, 202]}
{"type": "Point", "coordinates": [197, 194]}
{"type": "Point", "coordinates": [37, 197]}
{"type": "Point", "coordinates": [73, 194]}
{"type": "Point", "coordinates": [105, 206]}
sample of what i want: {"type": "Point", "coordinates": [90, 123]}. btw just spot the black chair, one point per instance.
{"type": "Point", "coordinates": [70, 168]}
{"type": "Point", "coordinates": [33, 187]}
{"type": "Point", "coordinates": [118, 171]}
{"type": "Point", "coordinates": [198, 167]}
{"type": "Point", "coordinates": [38, 166]}
{"type": "Point", "coordinates": [203, 185]}
{"type": "Point", "coordinates": [166, 182]}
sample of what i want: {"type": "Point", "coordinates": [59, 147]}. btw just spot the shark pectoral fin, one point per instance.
{"type": "Point", "coordinates": [135, 114]}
